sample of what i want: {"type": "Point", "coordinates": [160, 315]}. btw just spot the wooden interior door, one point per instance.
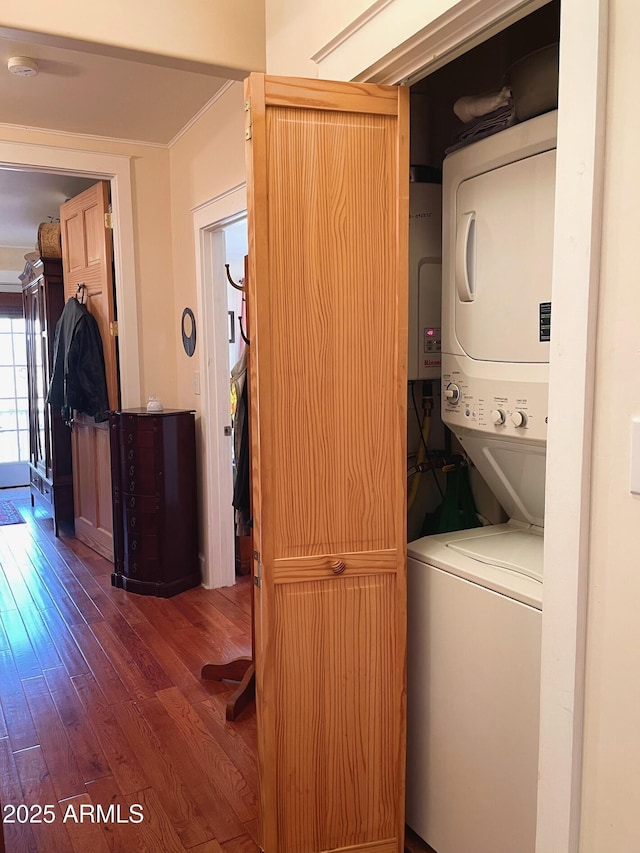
{"type": "Point", "coordinates": [328, 218]}
{"type": "Point", "coordinates": [86, 253]}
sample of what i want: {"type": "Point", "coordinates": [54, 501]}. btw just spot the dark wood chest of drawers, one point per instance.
{"type": "Point", "coordinates": [155, 512]}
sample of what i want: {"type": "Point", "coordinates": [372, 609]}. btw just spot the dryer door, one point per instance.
{"type": "Point", "coordinates": [503, 255]}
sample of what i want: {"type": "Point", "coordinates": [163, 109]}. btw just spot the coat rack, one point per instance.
{"type": "Point", "coordinates": [243, 669]}
{"type": "Point", "coordinates": [242, 287]}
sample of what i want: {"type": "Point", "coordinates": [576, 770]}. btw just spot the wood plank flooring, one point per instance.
{"type": "Point", "coordinates": [101, 704]}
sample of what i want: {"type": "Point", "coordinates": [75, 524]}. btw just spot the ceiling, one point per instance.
{"type": "Point", "coordinates": [100, 95]}
{"type": "Point", "coordinates": [87, 93]}
{"type": "Point", "coordinates": [29, 198]}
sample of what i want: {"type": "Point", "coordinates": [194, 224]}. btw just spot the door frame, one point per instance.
{"type": "Point", "coordinates": [361, 52]}
{"type": "Point", "coordinates": [116, 169]}
{"type": "Point", "coordinates": [209, 220]}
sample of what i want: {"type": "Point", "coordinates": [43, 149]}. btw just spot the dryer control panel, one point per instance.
{"type": "Point", "coordinates": [505, 407]}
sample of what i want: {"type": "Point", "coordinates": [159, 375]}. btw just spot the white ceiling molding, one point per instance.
{"type": "Point", "coordinates": [221, 91]}
{"type": "Point", "coordinates": [395, 41]}
{"type": "Point", "coordinates": [88, 136]}
{"type": "Point", "coordinates": [345, 34]}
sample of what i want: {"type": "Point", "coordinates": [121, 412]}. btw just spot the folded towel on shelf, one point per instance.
{"type": "Point", "coordinates": [470, 107]}
{"type": "Point", "coordinates": [485, 125]}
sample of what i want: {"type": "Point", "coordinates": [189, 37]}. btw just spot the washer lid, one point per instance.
{"type": "Point", "coordinates": [520, 551]}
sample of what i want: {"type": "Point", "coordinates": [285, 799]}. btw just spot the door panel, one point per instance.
{"type": "Point", "coordinates": [328, 219]}
{"type": "Point", "coordinates": [321, 319]}
{"type": "Point", "coordinates": [337, 732]}
{"type": "Point", "coordinates": [92, 485]}
{"type": "Point", "coordinates": [86, 253]}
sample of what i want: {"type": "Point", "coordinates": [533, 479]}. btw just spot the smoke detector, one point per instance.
{"type": "Point", "coordinates": [22, 66]}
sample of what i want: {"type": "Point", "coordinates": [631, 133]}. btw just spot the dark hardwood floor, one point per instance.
{"type": "Point", "coordinates": [101, 704]}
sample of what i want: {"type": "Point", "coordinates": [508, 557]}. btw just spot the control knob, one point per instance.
{"type": "Point", "coordinates": [498, 416]}
{"type": "Point", "coordinates": [519, 418]}
{"type": "Point", "coordinates": [452, 393]}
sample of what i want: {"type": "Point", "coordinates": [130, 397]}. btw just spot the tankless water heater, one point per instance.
{"type": "Point", "coordinates": [425, 280]}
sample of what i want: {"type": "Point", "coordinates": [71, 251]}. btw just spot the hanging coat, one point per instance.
{"type": "Point", "coordinates": [241, 490]}
{"type": "Point", "coordinates": [78, 381]}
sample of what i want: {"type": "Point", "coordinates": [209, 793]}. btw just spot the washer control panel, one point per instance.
{"type": "Point", "coordinates": [495, 406]}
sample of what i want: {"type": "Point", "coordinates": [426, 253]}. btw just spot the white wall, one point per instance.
{"type": "Point", "coordinates": [295, 30]}
{"type": "Point", "coordinates": [205, 162]}
{"type": "Point", "coordinates": [611, 779]}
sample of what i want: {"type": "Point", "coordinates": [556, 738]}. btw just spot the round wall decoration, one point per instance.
{"type": "Point", "coordinates": [188, 332]}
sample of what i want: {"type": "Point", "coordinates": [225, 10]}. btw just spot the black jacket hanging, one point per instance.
{"type": "Point", "coordinates": [79, 379]}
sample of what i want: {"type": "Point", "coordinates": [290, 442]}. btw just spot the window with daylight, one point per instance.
{"type": "Point", "coordinates": [14, 409]}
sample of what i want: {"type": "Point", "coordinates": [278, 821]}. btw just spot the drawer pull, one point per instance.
{"type": "Point", "coordinates": [132, 486]}
{"type": "Point", "coordinates": [134, 545]}
{"type": "Point", "coordinates": [131, 454]}
{"type": "Point", "coordinates": [132, 470]}
{"type": "Point", "coordinates": [130, 438]}
{"type": "Point", "coordinates": [133, 521]}
{"type": "Point", "coordinates": [134, 568]}
{"type": "Point", "coordinates": [338, 566]}
{"type": "Point", "coordinates": [132, 502]}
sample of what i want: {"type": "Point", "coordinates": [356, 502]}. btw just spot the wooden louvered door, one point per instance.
{"type": "Point", "coordinates": [87, 259]}
{"type": "Point", "coordinates": [328, 215]}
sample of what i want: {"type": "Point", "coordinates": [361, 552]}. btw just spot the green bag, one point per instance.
{"type": "Point", "coordinates": [457, 510]}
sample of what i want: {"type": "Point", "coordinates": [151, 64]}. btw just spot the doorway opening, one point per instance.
{"type": "Point", "coordinates": [220, 238]}
{"type": "Point", "coordinates": [117, 170]}
{"type": "Point", "coordinates": [236, 248]}
{"type": "Point", "coordinates": [578, 204]}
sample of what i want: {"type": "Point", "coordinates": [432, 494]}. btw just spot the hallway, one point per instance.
{"type": "Point", "coordinates": [101, 703]}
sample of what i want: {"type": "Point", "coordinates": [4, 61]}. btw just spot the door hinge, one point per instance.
{"type": "Point", "coordinates": [108, 220]}
{"type": "Point", "coordinates": [257, 577]}
{"type": "Point", "coordinates": [113, 328]}
{"type": "Point", "coordinates": [247, 121]}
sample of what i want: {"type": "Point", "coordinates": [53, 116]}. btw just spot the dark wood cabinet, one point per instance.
{"type": "Point", "coordinates": [155, 513]}
{"type": "Point", "coordinates": [50, 467]}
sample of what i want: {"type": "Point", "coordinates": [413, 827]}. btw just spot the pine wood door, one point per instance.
{"type": "Point", "coordinates": [328, 216]}
{"type": "Point", "coordinates": [86, 253]}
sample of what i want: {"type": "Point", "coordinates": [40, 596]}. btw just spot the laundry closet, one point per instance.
{"type": "Point", "coordinates": [480, 320]}
{"type": "Point", "coordinates": [331, 267]}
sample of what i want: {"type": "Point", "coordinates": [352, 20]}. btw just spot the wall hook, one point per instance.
{"type": "Point", "coordinates": [232, 282]}
{"type": "Point", "coordinates": [244, 337]}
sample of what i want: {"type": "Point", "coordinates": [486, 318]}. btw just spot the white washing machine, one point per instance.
{"type": "Point", "coordinates": [475, 596]}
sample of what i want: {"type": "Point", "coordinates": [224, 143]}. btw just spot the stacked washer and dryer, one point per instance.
{"type": "Point", "coordinates": [475, 596]}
